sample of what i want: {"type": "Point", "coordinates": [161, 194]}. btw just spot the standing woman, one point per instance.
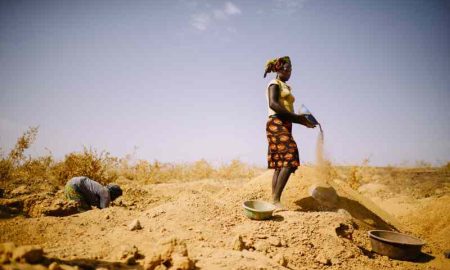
{"type": "Point", "coordinates": [283, 152]}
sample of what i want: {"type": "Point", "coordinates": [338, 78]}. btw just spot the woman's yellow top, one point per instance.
{"type": "Point", "coordinates": [285, 97]}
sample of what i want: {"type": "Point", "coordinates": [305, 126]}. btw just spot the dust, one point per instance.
{"type": "Point", "coordinates": [321, 190]}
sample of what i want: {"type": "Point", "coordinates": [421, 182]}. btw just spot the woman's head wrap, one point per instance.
{"type": "Point", "coordinates": [276, 64]}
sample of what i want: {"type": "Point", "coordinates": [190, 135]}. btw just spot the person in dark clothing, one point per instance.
{"type": "Point", "coordinates": [87, 193]}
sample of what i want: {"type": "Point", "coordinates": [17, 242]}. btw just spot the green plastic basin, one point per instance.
{"type": "Point", "coordinates": [258, 210]}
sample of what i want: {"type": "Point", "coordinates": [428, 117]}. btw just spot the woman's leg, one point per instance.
{"type": "Point", "coordinates": [281, 182]}
{"type": "Point", "coordinates": [274, 180]}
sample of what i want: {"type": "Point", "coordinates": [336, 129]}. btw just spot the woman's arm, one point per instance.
{"type": "Point", "coordinates": [274, 104]}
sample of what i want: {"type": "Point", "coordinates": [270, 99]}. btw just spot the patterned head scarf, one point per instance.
{"type": "Point", "coordinates": [276, 64]}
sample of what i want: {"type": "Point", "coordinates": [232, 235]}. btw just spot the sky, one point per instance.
{"type": "Point", "coordinates": [178, 80]}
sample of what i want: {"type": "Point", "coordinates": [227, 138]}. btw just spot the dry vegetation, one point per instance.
{"type": "Point", "coordinates": [17, 169]}
{"type": "Point", "coordinates": [189, 210]}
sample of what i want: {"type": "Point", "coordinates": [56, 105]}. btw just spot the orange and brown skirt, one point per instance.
{"type": "Point", "coordinates": [283, 151]}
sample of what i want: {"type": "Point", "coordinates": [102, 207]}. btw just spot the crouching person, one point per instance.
{"type": "Point", "coordinates": [87, 193]}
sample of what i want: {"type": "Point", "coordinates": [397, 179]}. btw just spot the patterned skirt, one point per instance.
{"type": "Point", "coordinates": [283, 151]}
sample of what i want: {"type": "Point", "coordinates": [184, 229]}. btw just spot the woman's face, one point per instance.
{"type": "Point", "coordinates": [285, 73]}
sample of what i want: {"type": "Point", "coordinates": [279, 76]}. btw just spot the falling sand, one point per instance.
{"type": "Point", "coordinates": [321, 190]}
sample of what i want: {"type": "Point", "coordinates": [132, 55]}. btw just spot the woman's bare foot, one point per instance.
{"type": "Point", "coordinates": [278, 206]}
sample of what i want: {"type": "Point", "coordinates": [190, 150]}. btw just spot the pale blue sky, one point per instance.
{"type": "Point", "coordinates": [182, 80]}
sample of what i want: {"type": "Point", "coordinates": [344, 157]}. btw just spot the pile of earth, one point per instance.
{"type": "Point", "coordinates": [200, 225]}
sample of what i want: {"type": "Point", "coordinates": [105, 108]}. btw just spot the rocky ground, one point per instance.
{"type": "Point", "coordinates": [200, 225]}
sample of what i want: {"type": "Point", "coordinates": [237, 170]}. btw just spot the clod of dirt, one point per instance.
{"type": "Point", "coordinates": [275, 241]}
{"type": "Point", "coordinates": [447, 254]}
{"type": "Point", "coordinates": [128, 254]}
{"type": "Point", "coordinates": [238, 244]}
{"type": "Point", "coordinates": [135, 225]}
{"type": "Point", "coordinates": [181, 262]}
{"type": "Point", "coordinates": [29, 254]}
{"type": "Point", "coordinates": [153, 261]}
{"type": "Point", "coordinates": [170, 253]}
{"type": "Point", "coordinates": [280, 259]}
{"type": "Point", "coordinates": [323, 260]}
{"type": "Point", "coordinates": [262, 246]}
{"type": "Point", "coordinates": [130, 260]}
{"type": "Point", "coordinates": [6, 251]}
{"type": "Point", "coordinates": [345, 230]}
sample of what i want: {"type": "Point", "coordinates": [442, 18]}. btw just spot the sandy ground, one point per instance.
{"type": "Point", "coordinates": [200, 224]}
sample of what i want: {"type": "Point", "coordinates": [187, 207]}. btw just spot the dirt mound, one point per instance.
{"type": "Point", "coordinates": [36, 205]}
{"type": "Point", "coordinates": [200, 225]}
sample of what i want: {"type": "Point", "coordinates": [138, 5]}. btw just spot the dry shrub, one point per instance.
{"type": "Point", "coordinates": [99, 166]}
{"type": "Point", "coordinates": [16, 168]}
{"type": "Point", "coordinates": [202, 169]}
{"type": "Point", "coordinates": [6, 167]}
{"type": "Point", "coordinates": [237, 169]}
{"type": "Point", "coordinates": [423, 164]}
{"type": "Point", "coordinates": [35, 169]}
{"type": "Point", "coordinates": [134, 172]}
{"type": "Point", "coordinates": [360, 175]}
{"type": "Point", "coordinates": [355, 178]}
{"type": "Point", "coordinates": [446, 167]}
{"type": "Point", "coordinates": [16, 156]}
{"type": "Point", "coordinates": [158, 172]}
{"type": "Point", "coordinates": [146, 172]}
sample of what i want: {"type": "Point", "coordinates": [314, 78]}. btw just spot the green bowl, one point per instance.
{"type": "Point", "coordinates": [258, 210]}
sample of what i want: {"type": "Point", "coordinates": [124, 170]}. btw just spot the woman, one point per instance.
{"type": "Point", "coordinates": [87, 193]}
{"type": "Point", "coordinates": [283, 153]}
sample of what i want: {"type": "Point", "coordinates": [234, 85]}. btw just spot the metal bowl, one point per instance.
{"type": "Point", "coordinates": [395, 245]}
{"type": "Point", "coordinates": [258, 210]}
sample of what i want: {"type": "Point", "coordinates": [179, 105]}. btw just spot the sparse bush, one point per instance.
{"type": "Point", "coordinates": [358, 175]}
{"type": "Point", "coordinates": [446, 167]}
{"type": "Point", "coordinates": [90, 163]}
{"type": "Point", "coordinates": [202, 169]}
{"type": "Point", "coordinates": [5, 169]}
{"type": "Point", "coordinates": [355, 178]}
{"type": "Point", "coordinates": [16, 165]}
{"type": "Point", "coordinates": [35, 169]}
{"type": "Point", "coordinates": [140, 172]}
{"type": "Point", "coordinates": [16, 156]}
{"type": "Point", "coordinates": [16, 168]}
{"type": "Point", "coordinates": [236, 169]}
{"type": "Point", "coordinates": [423, 164]}
{"type": "Point", "coordinates": [158, 172]}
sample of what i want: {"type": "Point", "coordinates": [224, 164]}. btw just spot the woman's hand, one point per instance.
{"type": "Point", "coordinates": [310, 125]}
{"type": "Point", "coordinates": [301, 119]}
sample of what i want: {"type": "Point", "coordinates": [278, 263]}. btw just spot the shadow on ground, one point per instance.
{"type": "Point", "coordinates": [277, 218]}
{"type": "Point", "coordinates": [423, 258]}
{"type": "Point", "coordinates": [357, 210]}
{"type": "Point", "coordinates": [91, 264]}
